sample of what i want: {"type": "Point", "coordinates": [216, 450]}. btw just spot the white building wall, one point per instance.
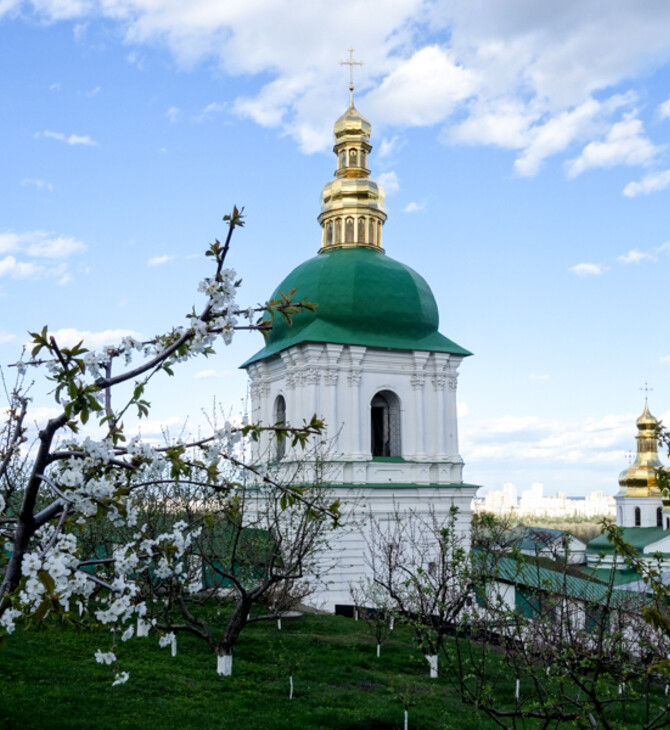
{"type": "Point", "coordinates": [338, 383]}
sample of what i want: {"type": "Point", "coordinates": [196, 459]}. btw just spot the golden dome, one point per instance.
{"type": "Point", "coordinates": [639, 480]}
{"type": "Point", "coordinates": [352, 122]}
{"type": "Point", "coordinates": [352, 205]}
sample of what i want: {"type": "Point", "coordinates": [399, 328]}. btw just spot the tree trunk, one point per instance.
{"type": "Point", "coordinates": [236, 622]}
{"type": "Point", "coordinates": [432, 662]}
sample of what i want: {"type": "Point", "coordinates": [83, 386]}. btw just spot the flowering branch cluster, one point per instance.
{"type": "Point", "coordinates": [69, 537]}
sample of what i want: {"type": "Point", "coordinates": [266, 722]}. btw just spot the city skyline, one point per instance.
{"type": "Point", "coordinates": [523, 151]}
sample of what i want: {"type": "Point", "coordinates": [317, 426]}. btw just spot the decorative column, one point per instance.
{"type": "Point", "coordinates": [439, 381]}
{"type": "Point", "coordinates": [357, 410]}
{"type": "Point", "coordinates": [331, 378]}
{"type": "Point", "coordinates": [451, 406]}
{"type": "Point", "coordinates": [417, 381]}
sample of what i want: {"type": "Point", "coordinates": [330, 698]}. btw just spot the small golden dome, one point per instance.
{"type": "Point", "coordinates": [639, 480]}
{"type": "Point", "coordinates": [352, 122]}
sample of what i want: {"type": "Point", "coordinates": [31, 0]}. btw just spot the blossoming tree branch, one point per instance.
{"type": "Point", "coordinates": [76, 535]}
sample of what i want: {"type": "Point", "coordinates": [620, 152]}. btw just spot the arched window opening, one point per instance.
{"type": "Point", "coordinates": [638, 517]}
{"type": "Point", "coordinates": [371, 232]}
{"type": "Point", "coordinates": [385, 424]}
{"type": "Point", "coordinates": [343, 159]}
{"type": "Point", "coordinates": [659, 517]}
{"type": "Point", "coordinates": [349, 231]}
{"type": "Point", "coordinates": [338, 230]}
{"type": "Point", "coordinates": [280, 420]}
{"type": "Point", "coordinates": [329, 234]}
{"type": "Point", "coordinates": [361, 230]}
{"type": "Point", "coordinates": [362, 158]}
{"type": "Point", "coordinates": [353, 158]}
{"type": "Point", "coordinates": [667, 523]}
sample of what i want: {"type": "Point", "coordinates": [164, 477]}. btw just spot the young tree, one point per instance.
{"type": "Point", "coordinates": [250, 549]}
{"type": "Point", "coordinates": [546, 643]}
{"type": "Point", "coordinates": [422, 563]}
{"type": "Point", "coordinates": [70, 481]}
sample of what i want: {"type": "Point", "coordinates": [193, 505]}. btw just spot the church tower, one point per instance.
{"type": "Point", "coordinates": [639, 500]}
{"type": "Point", "coordinates": [369, 361]}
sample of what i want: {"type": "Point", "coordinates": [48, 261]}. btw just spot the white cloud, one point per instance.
{"type": "Point", "coordinates": [389, 181]}
{"type": "Point", "coordinates": [15, 269]}
{"type": "Point", "coordinates": [54, 87]}
{"type": "Point", "coordinates": [39, 184]}
{"type": "Point", "coordinates": [208, 112]}
{"type": "Point", "coordinates": [6, 337]}
{"type": "Point", "coordinates": [633, 257]}
{"type": "Point", "coordinates": [549, 441]}
{"type": "Point", "coordinates": [650, 184]}
{"type": "Point", "coordinates": [517, 75]}
{"type": "Point", "coordinates": [624, 145]}
{"type": "Point", "coordinates": [588, 269]}
{"type": "Point", "coordinates": [159, 260]}
{"type": "Point", "coordinates": [390, 146]}
{"type": "Point", "coordinates": [173, 114]}
{"type": "Point", "coordinates": [664, 109]}
{"type": "Point", "coordinates": [31, 249]}
{"type": "Point", "coordinates": [554, 136]}
{"type": "Point", "coordinates": [68, 337]}
{"type": "Point", "coordinates": [413, 207]}
{"type": "Point", "coordinates": [665, 359]}
{"type": "Point", "coordinates": [40, 244]}
{"type": "Point", "coordinates": [73, 139]}
{"type": "Point", "coordinates": [423, 89]}
{"type": "Point", "coordinates": [204, 374]}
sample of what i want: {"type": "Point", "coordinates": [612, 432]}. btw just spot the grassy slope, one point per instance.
{"type": "Point", "coordinates": [49, 679]}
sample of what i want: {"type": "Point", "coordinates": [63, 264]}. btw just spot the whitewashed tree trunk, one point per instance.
{"type": "Point", "coordinates": [279, 624]}
{"type": "Point", "coordinates": [224, 665]}
{"type": "Point", "coordinates": [518, 688]}
{"type": "Point", "coordinates": [406, 720]}
{"type": "Point", "coordinates": [378, 650]}
{"type": "Point", "coordinates": [290, 684]}
{"type": "Point", "coordinates": [432, 662]}
{"type": "Point", "coordinates": [391, 623]}
{"type": "Point", "coordinates": [173, 646]}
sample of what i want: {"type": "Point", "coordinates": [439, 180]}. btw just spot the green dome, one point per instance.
{"type": "Point", "coordinates": [363, 298]}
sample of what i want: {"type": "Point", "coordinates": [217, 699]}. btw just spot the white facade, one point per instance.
{"type": "Point", "coordinates": [644, 511]}
{"type": "Point", "coordinates": [338, 383]}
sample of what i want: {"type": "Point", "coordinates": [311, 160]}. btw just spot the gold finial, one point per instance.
{"type": "Point", "coordinates": [646, 390]}
{"type": "Point", "coordinates": [351, 63]}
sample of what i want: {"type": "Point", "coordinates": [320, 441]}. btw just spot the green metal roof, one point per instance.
{"type": "Point", "coordinates": [363, 297]}
{"type": "Point", "coordinates": [637, 537]}
{"type": "Point", "coordinates": [560, 583]}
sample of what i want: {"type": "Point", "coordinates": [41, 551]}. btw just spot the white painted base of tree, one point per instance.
{"type": "Point", "coordinates": [406, 720]}
{"type": "Point", "coordinates": [279, 624]}
{"type": "Point", "coordinates": [173, 646]}
{"type": "Point", "coordinates": [224, 665]}
{"type": "Point", "coordinates": [432, 663]}
{"type": "Point", "coordinates": [518, 688]}
{"type": "Point", "coordinates": [378, 650]}
{"type": "Point", "coordinates": [290, 685]}
{"type": "Point", "coordinates": [391, 622]}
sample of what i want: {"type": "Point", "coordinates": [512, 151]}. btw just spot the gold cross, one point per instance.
{"type": "Point", "coordinates": [646, 390]}
{"type": "Point", "coordinates": [351, 63]}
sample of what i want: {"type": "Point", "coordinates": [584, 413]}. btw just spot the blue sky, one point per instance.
{"type": "Point", "coordinates": [523, 147]}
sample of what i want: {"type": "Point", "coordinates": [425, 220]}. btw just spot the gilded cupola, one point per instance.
{"type": "Point", "coordinates": [352, 205]}
{"type": "Point", "coordinates": [639, 480]}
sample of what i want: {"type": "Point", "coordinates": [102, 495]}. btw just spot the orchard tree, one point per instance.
{"type": "Point", "coordinates": [53, 492]}
{"type": "Point", "coordinates": [421, 563]}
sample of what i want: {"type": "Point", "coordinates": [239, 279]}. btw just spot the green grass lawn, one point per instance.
{"type": "Point", "coordinates": [49, 679]}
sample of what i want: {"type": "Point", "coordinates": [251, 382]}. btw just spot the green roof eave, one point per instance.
{"type": "Point", "coordinates": [637, 537]}
{"type": "Point", "coordinates": [321, 331]}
